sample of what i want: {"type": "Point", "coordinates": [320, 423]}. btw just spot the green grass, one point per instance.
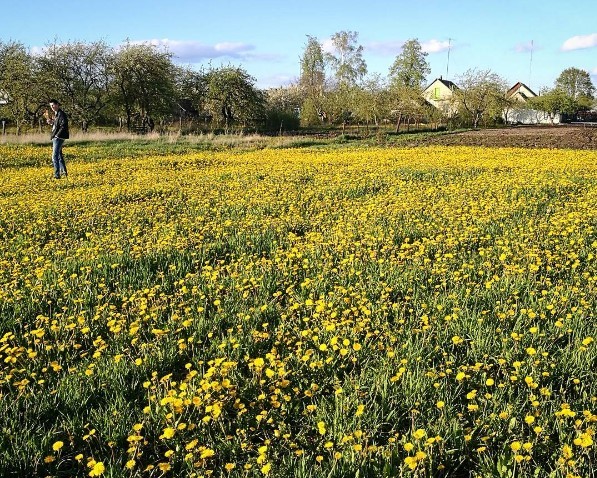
{"type": "Point", "coordinates": [318, 302]}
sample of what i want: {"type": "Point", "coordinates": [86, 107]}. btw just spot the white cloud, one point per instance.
{"type": "Point", "coordinates": [579, 42]}
{"type": "Point", "coordinates": [327, 46]}
{"type": "Point", "coordinates": [385, 48]}
{"type": "Point", "coordinates": [37, 50]}
{"type": "Point", "coordinates": [435, 46]}
{"type": "Point", "coordinates": [526, 47]}
{"type": "Point", "coordinates": [194, 51]}
{"type": "Point", "coordinates": [275, 81]}
{"type": "Point", "coordinates": [393, 48]}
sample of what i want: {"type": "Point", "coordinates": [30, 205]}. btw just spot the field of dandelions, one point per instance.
{"type": "Point", "coordinates": [312, 312]}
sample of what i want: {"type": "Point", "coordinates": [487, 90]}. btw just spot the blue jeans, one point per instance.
{"type": "Point", "coordinates": [58, 157]}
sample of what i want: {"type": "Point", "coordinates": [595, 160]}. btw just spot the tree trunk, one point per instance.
{"type": "Point", "coordinates": [128, 120]}
{"type": "Point", "coordinates": [398, 123]}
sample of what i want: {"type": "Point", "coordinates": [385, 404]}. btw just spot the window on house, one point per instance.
{"type": "Point", "coordinates": [436, 93]}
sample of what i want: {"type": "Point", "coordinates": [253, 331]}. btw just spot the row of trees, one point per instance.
{"type": "Point", "coordinates": [139, 83]}
{"type": "Point", "coordinates": [133, 85]}
{"type": "Point", "coordinates": [573, 92]}
{"type": "Point", "coordinates": [336, 84]}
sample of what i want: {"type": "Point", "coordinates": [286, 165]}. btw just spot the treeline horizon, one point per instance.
{"type": "Point", "coordinates": [138, 86]}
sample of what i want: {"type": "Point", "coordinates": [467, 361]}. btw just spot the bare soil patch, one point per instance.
{"type": "Point", "coordinates": [561, 137]}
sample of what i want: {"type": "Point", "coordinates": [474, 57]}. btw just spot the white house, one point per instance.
{"type": "Point", "coordinates": [522, 113]}
{"type": "Point", "coordinates": [439, 94]}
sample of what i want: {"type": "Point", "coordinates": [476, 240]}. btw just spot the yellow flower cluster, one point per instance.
{"type": "Point", "coordinates": [388, 311]}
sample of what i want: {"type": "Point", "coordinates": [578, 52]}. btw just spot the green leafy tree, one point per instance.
{"type": "Point", "coordinates": [282, 108]}
{"type": "Point", "coordinates": [312, 82]}
{"type": "Point", "coordinates": [577, 84]}
{"type": "Point", "coordinates": [349, 68]}
{"type": "Point", "coordinates": [371, 104]}
{"type": "Point", "coordinates": [142, 82]}
{"type": "Point", "coordinates": [346, 59]}
{"type": "Point", "coordinates": [407, 75]}
{"type": "Point", "coordinates": [233, 98]}
{"type": "Point", "coordinates": [410, 68]}
{"type": "Point", "coordinates": [18, 84]}
{"type": "Point", "coordinates": [78, 74]}
{"type": "Point", "coordinates": [191, 93]}
{"type": "Point", "coordinates": [480, 95]}
{"type": "Point", "coordinates": [553, 102]}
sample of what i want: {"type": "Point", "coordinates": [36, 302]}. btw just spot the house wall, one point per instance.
{"type": "Point", "coordinates": [439, 95]}
{"type": "Point", "coordinates": [528, 93]}
{"type": "Point", "coordinates": [529, 116]}
{"type": "Point", "coordinates": [518, 96]}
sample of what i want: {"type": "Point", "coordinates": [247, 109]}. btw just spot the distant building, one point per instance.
{"type": "Point", "coordinates": [439, 94]}
{"type": "Point", "coordinates": [521, 112]}
{"type": "Point", "coordinates": [520, 92]}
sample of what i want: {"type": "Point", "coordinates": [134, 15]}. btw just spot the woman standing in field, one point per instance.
{"type": "Point", "coordinates": [59, 134]}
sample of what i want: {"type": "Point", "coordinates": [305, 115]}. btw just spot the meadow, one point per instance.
{"type": "Point", "coordinates": [298, 312]}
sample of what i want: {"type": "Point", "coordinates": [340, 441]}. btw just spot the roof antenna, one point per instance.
{"type": "Point", "coordinates": [448, 64]}
{"type": "Point", "coordinates": [531, 63]}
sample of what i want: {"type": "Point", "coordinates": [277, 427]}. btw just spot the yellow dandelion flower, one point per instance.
{"type": "Point", "coordinates": [321, 428]}
{"type": "Point", "coordinates": [411, 462]}
{"type": "Point", "coordinates": [584, 440]}
{"type": "Point", "coordinates": [207, 453]}
{"type": "Point", "coordinates": [168, 433]}
{"type": "Point", "coordinates": [97, 469]}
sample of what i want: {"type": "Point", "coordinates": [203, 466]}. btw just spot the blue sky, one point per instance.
{"type": "Point", "coordinates": [267, 37]}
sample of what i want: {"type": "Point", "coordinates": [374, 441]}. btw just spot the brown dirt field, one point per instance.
{"type": "Point", "coordinates": [560, 137]}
